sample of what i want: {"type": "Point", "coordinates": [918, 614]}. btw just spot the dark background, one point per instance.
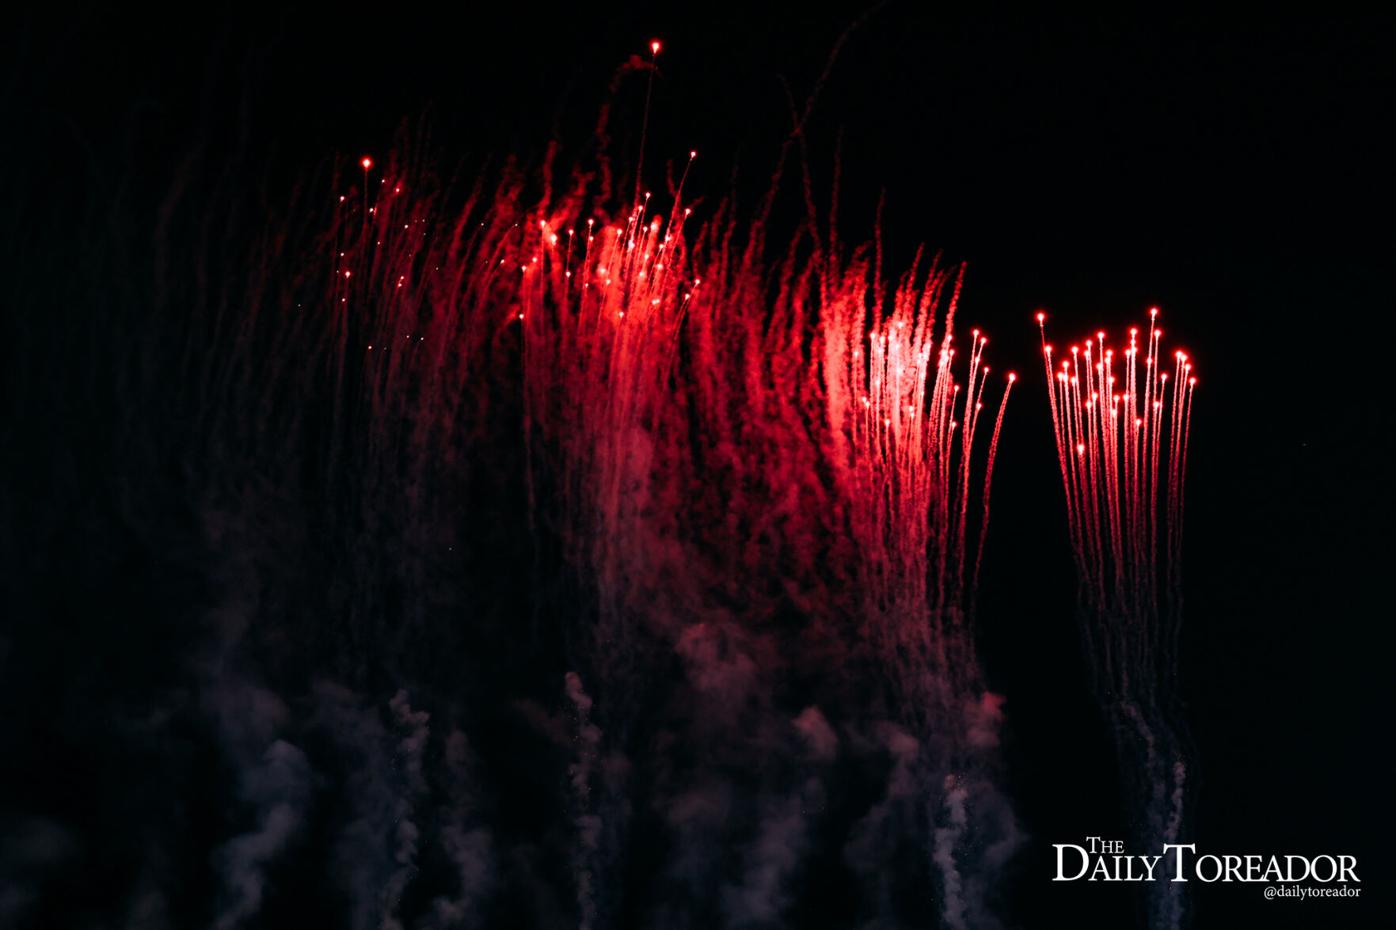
{"type": "Point", "coordinates": [1232, 172]}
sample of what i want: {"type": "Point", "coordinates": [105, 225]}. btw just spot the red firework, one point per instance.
{"type": "Point", "coordinates": [911, 426]}
{"type": "Point", "coordinates": [1121, 428]}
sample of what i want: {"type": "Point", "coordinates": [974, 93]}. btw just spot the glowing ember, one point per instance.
{"type": "Point", "coordinates": [1129, 429]}
{"type": "Point", "coordinates": [1121, 426]}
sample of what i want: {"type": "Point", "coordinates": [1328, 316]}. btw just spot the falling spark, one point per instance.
{"type": "Point", "coordinates": [1130, 441]}
{"type": "Point", "coordinates": [1121, 421]}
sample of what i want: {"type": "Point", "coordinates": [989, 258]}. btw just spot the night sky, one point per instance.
{"type": "Point", "coordinates": [156, 636]}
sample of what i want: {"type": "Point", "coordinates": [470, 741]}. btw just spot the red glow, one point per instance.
{"type": "Point", "coordinates": [634, 378]}
{"type": "Point", "coordinates": [1124, 468]}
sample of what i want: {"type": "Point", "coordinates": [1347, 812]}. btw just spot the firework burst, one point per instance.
{"type": "Point", "coordinates": [756, 462]}
{"type": "Point", "coordinates": [1121, 421]}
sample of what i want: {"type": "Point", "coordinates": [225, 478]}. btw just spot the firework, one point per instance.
{"type": "Point", "coordinates": [756, 470]}
{"type": "Point", "coordinates": [599, 305]}
{"type": "Point", "coordinates": [910, 467]}
{"type": "Point", "coordinates": [904, 431]}
{"type": "Point", "coordinates": [661, 355]}
{"type": "Point", "coordinates": [1121, 420]}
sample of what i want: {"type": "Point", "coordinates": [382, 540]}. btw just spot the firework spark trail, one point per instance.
{"type": "Point", "coordinates": [609, 309]}
{"type": "Point", "coordinates": [905, 429]}
{"type": "Point", "coordinates": [599, 345]}
{"type": "Point", "coordinates": [694, 440]}
{"type": "Point", "coordinates": [903, 415]}
{"type": "Point", "coordinates": [323, 378]}
{"type": "Point", "coordinates": [393, 321]}
{"type": "Point", "coordinates": [356, 326]}
{"type": "Point", "coordinates": [647, 356]}
{"type": "Point", "coordinates": [988, 483]}
{"type": "Point", "coordinates": [1121, 430]}
{"type": "Point", "coordinates": [600, 357]}
{"type": "Point", "coordinates": [599, 315]}
{"type": "Point", "coordinates": [603, 311]}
